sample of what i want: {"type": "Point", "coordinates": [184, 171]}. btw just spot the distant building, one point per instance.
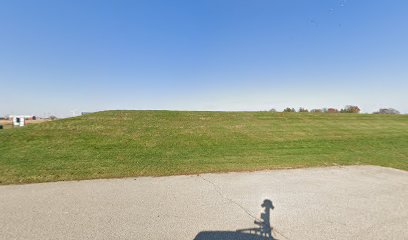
{"type": "Point", "coordinates": [26, 117]}
{"type": "Point", "coordinates": [20, 120]}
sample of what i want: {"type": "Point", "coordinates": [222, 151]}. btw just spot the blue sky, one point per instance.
{"type": "Point", "coordinates": [59, 56]}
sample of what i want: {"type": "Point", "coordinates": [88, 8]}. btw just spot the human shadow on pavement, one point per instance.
{"type": "Point", "coordinates": [262, 232]}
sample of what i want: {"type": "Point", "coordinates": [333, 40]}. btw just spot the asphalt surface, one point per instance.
{"type": "Point", "coordinates": [362, 202]}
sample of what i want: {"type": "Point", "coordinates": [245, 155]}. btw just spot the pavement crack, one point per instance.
{"type": "Point", "coordinates": [219, 191]}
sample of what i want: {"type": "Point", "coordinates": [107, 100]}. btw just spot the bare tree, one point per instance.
{"type": "Point", "coordinates": [316, 110]}
{"type": "Point", "coordinates": [332, 110]}
{"type": "Point", "coordinates": [387, 111]}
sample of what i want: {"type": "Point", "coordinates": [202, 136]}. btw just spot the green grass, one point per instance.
{"type": "Point", "coordinates": [155, 143]}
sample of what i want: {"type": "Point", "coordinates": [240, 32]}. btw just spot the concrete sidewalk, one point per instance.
{"type": "Point", "coordinates": [359, 202]}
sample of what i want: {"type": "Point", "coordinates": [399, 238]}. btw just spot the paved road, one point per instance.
{"type": "Point", "coordinates": [363, 202]}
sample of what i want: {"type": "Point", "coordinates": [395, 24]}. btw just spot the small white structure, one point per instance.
{"type": "Point", "coordinates": [18, 121]}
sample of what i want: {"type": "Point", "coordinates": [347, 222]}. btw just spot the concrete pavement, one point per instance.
{"type": "Point", "coordinates": [359, 202]}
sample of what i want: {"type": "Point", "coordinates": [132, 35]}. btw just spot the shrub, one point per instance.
{"type": "Point", "coordinates": [303, 110]}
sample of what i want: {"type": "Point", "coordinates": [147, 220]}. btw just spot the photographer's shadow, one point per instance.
{"type": "Point", "coordinates": [262, 232]}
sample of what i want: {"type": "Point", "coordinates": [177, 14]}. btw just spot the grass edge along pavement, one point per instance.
{"type": "Point", "coordinates": [114, 144]}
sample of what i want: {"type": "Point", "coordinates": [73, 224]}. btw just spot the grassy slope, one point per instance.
{"type": "Point", "coordinates": [140, 143]}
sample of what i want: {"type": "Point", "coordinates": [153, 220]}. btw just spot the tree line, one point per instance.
{"type": "Point", "coordinates": [346, 109]}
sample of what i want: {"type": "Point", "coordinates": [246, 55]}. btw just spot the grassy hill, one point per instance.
{"type": "Point", "coordinates": [153, 143]}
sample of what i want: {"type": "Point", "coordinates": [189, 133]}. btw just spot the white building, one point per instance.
{"type": "Point", "coordinates": [20, 120]}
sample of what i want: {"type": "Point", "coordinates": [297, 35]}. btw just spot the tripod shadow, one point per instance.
{"type": "Point", "coordinates": [262, 232]}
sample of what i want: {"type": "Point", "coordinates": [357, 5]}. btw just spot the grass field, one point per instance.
{"type": "Point", "coordinates": [6, 124]}
{"type": "Point", "coordinates": [154, 143]}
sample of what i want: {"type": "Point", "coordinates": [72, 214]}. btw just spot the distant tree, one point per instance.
{"type": "Point", "coordinates": [272, 110]}
{"type": "Point", "coordinates": [387, 111]}
{"type": "Point", "coordinates": [316, 110]}
{"type": "Point", "coordinates": [288, 109]}
{"type": "Point", "coordinates": [52, 117]}
{"type": "Point", "coordinates": [332, 110]}
{"type": "Point", "coordinates": [354, 109]}
{"type": "Point", "coordinates": [350, 109]}
{"type": "Point", "coordinates": [303, 110]}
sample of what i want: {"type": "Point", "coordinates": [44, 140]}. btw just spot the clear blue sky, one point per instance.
{"type": "Point", "coordinates": [58, 56]}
